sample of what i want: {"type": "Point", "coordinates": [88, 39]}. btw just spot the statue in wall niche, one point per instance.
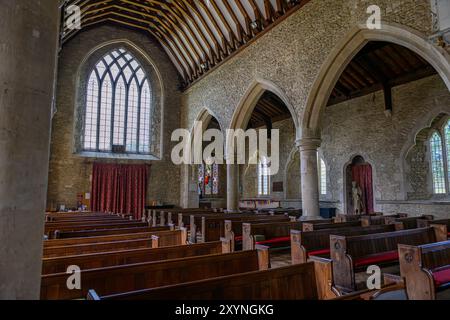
{"type": "Point", "coordinates": [358, 204]}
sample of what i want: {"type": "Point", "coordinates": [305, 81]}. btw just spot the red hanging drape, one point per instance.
{"type": "Point", "coordinates": [362, 174]}
{"type": "Point", "coordinates": [119, 188]}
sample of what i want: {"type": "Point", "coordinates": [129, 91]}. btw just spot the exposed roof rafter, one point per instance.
{"type": "Point", "coordinates": [196, 34]}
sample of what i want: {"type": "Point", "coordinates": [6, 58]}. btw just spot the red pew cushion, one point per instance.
{"type": "Point", "coordinates": [377, 258]}
{"type": "Point", "coordinates": [319, 252]}
{"type": "Point", "coordinates": [441, 277]}
{"type": "Point", "coordinates": [275, 240]}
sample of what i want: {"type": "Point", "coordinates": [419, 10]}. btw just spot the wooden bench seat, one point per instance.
{"type": "Point", "coordinates": [107, 238]}
{"type": "Point", "coordinates": [116, 279]}
{"type": "Point", "coordinates": [311, 226]}
{"type": "Point", "coordinates": [165, 238]}
{"type": "Point", "coordinates": [410, 222]}
{"type": "Point", "coordinates": [121, 257]}
{"type": "Point", "coordinates": [107, 231]}
{"type": "Point", "coordinates": [425, 223]}
{"type": "Point", "coordinates": [351, 254]}
{"type": "Point", "coordinates": [317, 243]}
{"type": "Point", "coordinates": [426, 269]}
{"type": "Point", "coordinates": [288, 283]}
{"type": "Point", "coordinates": [56, 231]}
{"type": "Point", "coordinates": [277, 235]}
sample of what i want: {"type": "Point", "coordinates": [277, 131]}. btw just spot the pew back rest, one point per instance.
{"type": "Point", "coordinates": [310, 226]}
{"type": "Point", "coordinates": [360, 246]}
{"type": "Point", "coordinates": [321, 238]}
{"type": "Point", "coordinates": [111, 280]}
{"type": "Point", "coordinates": [287, 283]}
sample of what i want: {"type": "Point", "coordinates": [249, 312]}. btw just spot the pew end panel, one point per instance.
{"type": "Point", "coordinates": [298, 252]}
{"type": "Point", "coordinates": [226, 245]}
{"type": "Point", "coordinates": [343, 272]}
{"type": "Point", "coordinates": [419, 282]}
{"type": "Point", "coordinates": [323, 269]}
{"type": "Point", "coordinates": [440, 231]}
{"type": "Point", "coordinates": [248, 242]}
{"type": "Point", "coordinates": [263, 257]}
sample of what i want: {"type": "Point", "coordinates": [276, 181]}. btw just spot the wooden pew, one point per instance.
{"type": "Point", "coordinates": [410, 222]}
{"type": "Point", "coordinates": [289, 283]}
{"type": "Point", "coordinates": [378, 220]}
{"type": "Point", "coordinates": [275, 234]}
{"type": "Point", "coordinates": [425, 223]}
{"type": "Point", "coordinates": [212, 228]}
{"type": "Point", "coordinates": [105, 232]}
{"type": "Point", "coordinates": [355, 253]}
{"type": "Point", "coordinates": [311, 226]}
{"type": "Point", "coordinates": [168, 238]}
{"type": "Point", "coordinates": [233, 229]}
{"type": "Point", "coordinates": [317, 243]}
{"type": "Point", "coordinates": [425, 268]}
{"type": "Point", "coordinates": [51, 227]}
{"type": "Point", "coordinates": [116, 279]}
{"type": "Point", "coordinates": [108, 259]}
{"type": "Point", "coordinates": [107, 238]}
{"type": "Point", "coordinates": [54, 232]}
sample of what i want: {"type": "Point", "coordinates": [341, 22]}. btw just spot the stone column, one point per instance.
{"type": "Point", "coordinates": [28, 46]}
{"type": "Point", "coordinates": [309, 177]}
{"type": "Point", "coordinates": [232, 187]}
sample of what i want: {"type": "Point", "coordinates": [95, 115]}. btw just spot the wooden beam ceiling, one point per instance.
{"type": "Point", "coordinates": [197, 35]}
{"type": "Point", "coordinates": [379, 66]}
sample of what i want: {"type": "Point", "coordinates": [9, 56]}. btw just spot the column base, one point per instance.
{"type": "Point", "coordinates": [310, 218]}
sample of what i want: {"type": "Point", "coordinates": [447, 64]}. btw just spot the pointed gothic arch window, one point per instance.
{"type": "Point", "coordinates": [118, 106]}
{"type": "Point", "coordinates": [437, 163]}
{"type": "Point", "coordinates": [322, 177]}
{"type": "Point", "coordinates": [263, 177]}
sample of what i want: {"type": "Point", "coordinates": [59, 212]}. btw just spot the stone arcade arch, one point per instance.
{"type": "Point", "coordinates": [189, 193]}
{"type": "Point", "coordinates": [330, 72]}
{"type": "Point", "coordinates": [240, 120]}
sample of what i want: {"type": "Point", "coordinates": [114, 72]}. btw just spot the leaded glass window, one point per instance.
{"type": "Point", "coordinates": [263, 178]}
{"type": "Point", "coordinates": [322, 177]}
{"type": "Point", "coordinates": [208, 179]}
{"type": "Point", "coordinates": [118, 106]}
{"type": "Point", "coordinates": [437, 164]}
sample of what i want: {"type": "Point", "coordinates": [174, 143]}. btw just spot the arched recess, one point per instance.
{"type": "Point", "coordinates": [190, 197]}
{"type": "Point", "coordinates": [416, 157]}
{"type": "Point", "coordinates": [240, 120]}
{"type": "Point", "coordinates": [358, 160]}
{"type": "Point", "coordinates": [156, 84]}
{"type": "Point", "coordinates": [343, 53]}
{"type": "Point", "coordinates": [251, 97]}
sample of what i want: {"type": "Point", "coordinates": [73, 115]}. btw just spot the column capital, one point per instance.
{"type": "Point", "coordinates": [308, 143]}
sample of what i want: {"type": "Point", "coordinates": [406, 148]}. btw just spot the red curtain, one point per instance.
{"type": "Point", "coordinates": [119, 188]}
{"type": "Point", "coordinates": [362, 174]}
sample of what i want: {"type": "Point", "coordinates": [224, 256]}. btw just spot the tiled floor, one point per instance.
{"type": "Point", "coordinates": [280, 259]}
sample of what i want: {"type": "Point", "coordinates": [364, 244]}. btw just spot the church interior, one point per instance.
{"type": "Point", "coordinates": [120, 176]}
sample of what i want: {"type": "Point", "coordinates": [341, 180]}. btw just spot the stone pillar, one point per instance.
{"type": "Point", "coordinates": [232, 187]}
{"type": "Point", "coordinates": [310, 178]}
{"type": "Point", "coordinates": [28, 47]}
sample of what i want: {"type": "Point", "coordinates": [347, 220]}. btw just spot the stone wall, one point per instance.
{"type": "Point", "coordinates": [360, 127]}
{"type": "Point", "coordinates": [291, 54]}
{"type": "Point", "coordinates": [70, 174]}
{"type": "Point", "coordinates": [396, 147]}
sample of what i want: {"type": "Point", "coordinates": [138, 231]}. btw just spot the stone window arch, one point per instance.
{"type": "Point", "coordinates": [118, 112]}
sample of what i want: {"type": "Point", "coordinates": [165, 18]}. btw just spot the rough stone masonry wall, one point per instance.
{"type": "Point", "coordinates": [292, 53]}
{"type": "Point", "coordinates": [360, 127]}
{"type": "Point", "coordinates": [69, 173]}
